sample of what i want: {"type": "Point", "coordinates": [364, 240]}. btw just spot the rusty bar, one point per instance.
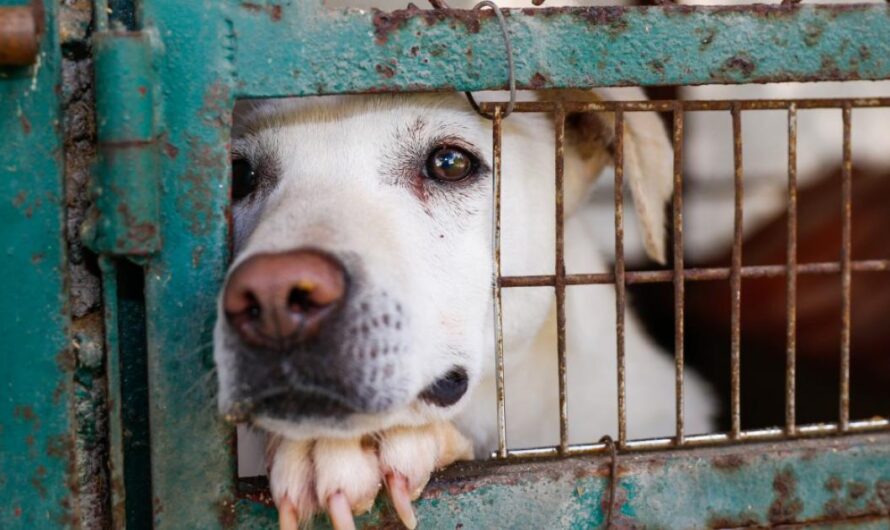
{"type": "Point", "coordinates": [846, 276]}
{"type": "Point", "coordinates": [21, 28]}
{"type": "Point", "coordinates": [693, 105]}
{"type": "Point", "coordinates": [701, 440]}
{"type": "Point", "coordinates": [735, 277]}
{"type": "Point", "coordinates": [791, 278]}
{"type": "Point", "coordinates": [620, 287]}
{"type": "Point", "coordinates": [496, 286]}
{"type": "Point", "coordinates": [696, 275]}
{"type": "Point", "coordinates": [679, 278]}
{"type": "Point", "coordinates": [559, 119]}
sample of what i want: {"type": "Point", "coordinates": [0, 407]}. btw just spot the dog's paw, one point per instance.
{"type": "Point", "coordinates": [343, 477]}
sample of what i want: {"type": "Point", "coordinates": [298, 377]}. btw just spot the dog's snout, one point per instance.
{"type": "Point", "coordinates": [272, 300]}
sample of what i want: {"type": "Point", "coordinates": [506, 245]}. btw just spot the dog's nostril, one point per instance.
{"type": "Point", "coordinates": [447, 390]}
{"type": "Point", "coordinates": [300, 299]}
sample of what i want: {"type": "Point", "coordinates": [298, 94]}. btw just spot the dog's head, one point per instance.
{"type": "Point", "coordinates": [360, 294]}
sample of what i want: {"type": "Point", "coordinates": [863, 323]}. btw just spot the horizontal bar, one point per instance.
{"type": "Point", "coordinates": [424, 50]}
{"type": "Point", "coordinates": [693, 105]}
{"type": "Point", "coordinates": [698, 440]}
{"type": "Point", "coordinates": [701, 274]}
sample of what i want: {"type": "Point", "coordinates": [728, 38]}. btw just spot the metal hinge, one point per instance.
{"type": "Point", "coordinates": [125, 219]}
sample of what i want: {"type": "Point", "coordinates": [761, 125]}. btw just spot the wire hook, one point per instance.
{"type": "Point", "coordinates": [508, 44]}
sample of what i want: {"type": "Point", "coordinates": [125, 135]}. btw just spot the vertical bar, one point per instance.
{"type": "Point", "coordinates": [620, 287]}
{"type": "Point", "coordinates": [560, 279]}
{"type": "Point", "coordinates": [679, 285]}
{"type": "Point", "coordinates": [498, 316]}
{"type": "Point", "coordinates": [791, 278]}
{"type": "Point", "coordinates": [846, 278]}
{"type": "Point", "coordinates": [735, 277]}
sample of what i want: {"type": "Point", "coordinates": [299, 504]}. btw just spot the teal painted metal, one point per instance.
{"type": "Point", "coordinates": [553, 47]}
{"type": "Point", "coordinates": [36, 434]}
{"type": "Point", "coordinates": [126, 188]}
{"type": "Point", "coordinates": [760, 485]}
{"type": "Point", "coordinates": [206, 54]}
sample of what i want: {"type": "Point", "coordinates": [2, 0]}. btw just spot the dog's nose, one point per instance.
{"type": "Point", "coordinates": [272, 300]}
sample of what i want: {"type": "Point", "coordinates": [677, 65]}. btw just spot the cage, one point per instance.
{"type": "Point", "coordinates": [108, 411]}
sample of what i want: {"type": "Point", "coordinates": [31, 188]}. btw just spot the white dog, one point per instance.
{"type": "Point", "coordinates": [356, 321]}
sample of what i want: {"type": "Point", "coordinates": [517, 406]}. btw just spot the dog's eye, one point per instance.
{"type": "Point", "coordinates": [244, 178]}
{"type": "Point", "coordinates": [450, 164]}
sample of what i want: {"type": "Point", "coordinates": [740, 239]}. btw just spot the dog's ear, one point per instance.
{"type": "Point", "coordinates": [648, 156]}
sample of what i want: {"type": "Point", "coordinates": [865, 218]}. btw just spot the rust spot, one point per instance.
{"type": "Point", "coordinates": [741, 63]}
{"type": "Point", "coordinates": [171, 150]}
{"type": "Point", "coordinates": [26, 125]}
{"type": "Point", "coordinates": [20, 198]}
{"type": "Point", "coordinates": [882, 490]}
{"type": "Point", "coordinates": [386, 23]}
{"type": "Point", "coordinates": [657, 66]}
{"type": "Point", "coordinates": [25, 412]}
{"type": "Point", "coordinates": [36, 480]}
{"type": "Point", "coordinates": [385, 71]}
{"type": "Point", "coordinates": [37, 258]}
{"type": "Point", "coordinates": [196, 256]}
{"type": "Point", "coordinates": [143, 91]}
{"type": "Point", "coordinates": [786, 505]}
{"type": "Point", "coordinates": [537, 81]}
{"type": "Point", "coordinates": [226, 513]}
{"type": "Point", "coordinates": [857, 489]}
{"type": "Point", "coordinates": [834, 483]}
{"type": "Point", "coordinates": [611, 16]}
{"type": "Point", "coordinates": [274, 11]}
{"type": "Point", "coordinates": [728, 463]}
{"type": "Point", "coordinates": [414, 51]}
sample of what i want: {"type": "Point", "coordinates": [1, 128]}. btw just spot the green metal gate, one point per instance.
{"type": "Point", "coordinates": [167, 74]}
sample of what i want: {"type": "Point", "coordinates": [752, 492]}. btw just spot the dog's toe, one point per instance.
{"type": "Point", "coordinates": [348, 467]}
{"type": "Point", "coordinates": [408, 455]}
{"type": "Point", "coordinates": [343, 477]}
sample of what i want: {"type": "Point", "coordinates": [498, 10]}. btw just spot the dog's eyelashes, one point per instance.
{"type": "Point", "coordinates": [244, 178]}
{"type": "Point", "coordinates": [450, 164]}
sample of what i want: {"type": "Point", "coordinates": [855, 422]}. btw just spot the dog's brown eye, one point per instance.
{"type": "Point", "coordinates": [450, 164]}
{"type": "Point", "coordinates": [244, 178]}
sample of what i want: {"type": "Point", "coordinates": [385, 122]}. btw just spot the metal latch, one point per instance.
{"type": "Point", "coordinates": [125, 217]}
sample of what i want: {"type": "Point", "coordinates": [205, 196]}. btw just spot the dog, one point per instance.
{"type": "Point", "coordinates": [356, 321]}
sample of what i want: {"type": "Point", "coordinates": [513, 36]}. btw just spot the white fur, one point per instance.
{"type": "Point", "coordinates": [436, 257]}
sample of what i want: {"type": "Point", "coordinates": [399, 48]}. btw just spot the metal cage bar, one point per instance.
{"type": "Point", "coordinates": [735, 277]}
{"type": "Point", "coordinates": [559, 126]}
{"type": "Point", "coordinates": [678, 278]}
{"type": "Point", "coordinates": [846, 276]}
{"type": "Point", "coordinates": [791, 279]}
{"type": "Point", "coordinates": [498, 306]}
{"type": "Point", "coordinates": [620, 286]}
{"type": "Point", "coordinates": [620, 278]}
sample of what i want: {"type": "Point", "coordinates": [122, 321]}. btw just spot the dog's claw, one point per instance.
{"type": "Point", "coordinates": [340, 512]}
{"type": "Point", "coordinates": [397, 485]}
{"type": "Point", "coordinates": [287, 516]}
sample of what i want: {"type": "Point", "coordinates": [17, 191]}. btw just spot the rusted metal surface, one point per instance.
{"type": "Point", "coordinates": [556, 47]}
{"type": "Point", "coordinates": [559, 284]}
{"type": "Point", "coordinates": [791, 279]}
{"type": "Point", "coordinates": [38, 475]}
{"type": "Point", "coordinates": [21, 28]}
{"type": "Point", "coordinates": [735, 276]}
{"type": "Point", "coordinates": [496, 131]}
{"type": "Point", "coordinates": [812, 482]}
{"type": "Point", "coordinates": [678, 276]}
{"type": "Point", "coordinates": [846, 260]}
{"type": "Point", "coordinates": [620, 287]}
